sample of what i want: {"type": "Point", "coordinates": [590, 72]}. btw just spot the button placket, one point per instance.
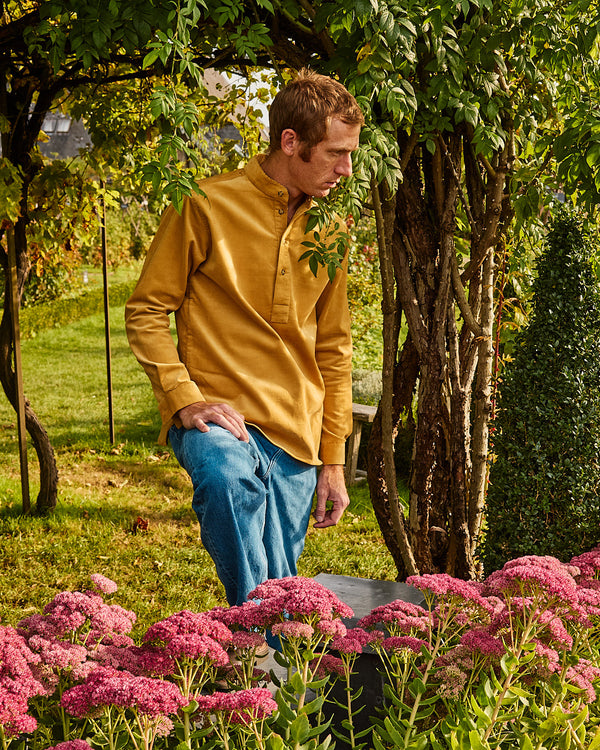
{"type": "Point", "coordinates": [282, 291]}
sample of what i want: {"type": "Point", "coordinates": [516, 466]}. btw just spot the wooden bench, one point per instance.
{"type": "Point", "coordinates": [361, 414]}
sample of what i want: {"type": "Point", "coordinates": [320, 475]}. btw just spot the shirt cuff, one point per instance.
{"type": "Point", "coordinates": [185, 394]}
{"type": "Point", "coordinates": [333, 452]}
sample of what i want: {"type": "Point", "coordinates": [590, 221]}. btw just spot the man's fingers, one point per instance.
{"type": "Point", "coordinates": [320, 509]}
{"type": "Point", "coordinates": [200, 414]}
{"type": "Point", "coordinates": [325, 522]}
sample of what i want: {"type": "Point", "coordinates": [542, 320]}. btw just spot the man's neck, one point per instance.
{"type": "Point", "coordinates": [275, 167]}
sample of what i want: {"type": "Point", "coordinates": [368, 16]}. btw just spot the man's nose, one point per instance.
{"type": "Point", "coordinates": [344, 165]}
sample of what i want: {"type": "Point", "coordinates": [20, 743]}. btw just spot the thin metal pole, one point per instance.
{"type": "Point", "coordinates": [111, 423]}
{"type": "Point", "coordinates": [16, 338]}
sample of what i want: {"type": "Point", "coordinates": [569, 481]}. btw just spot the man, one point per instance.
{"type": "Point", "coordinates": [257, 393]}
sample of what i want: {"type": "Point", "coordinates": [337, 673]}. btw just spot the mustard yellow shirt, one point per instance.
{"type": "Point", "coordinates": [255, 328]}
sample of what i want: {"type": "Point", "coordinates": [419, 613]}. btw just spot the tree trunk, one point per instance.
{"type": "Point", "coordinates": [387, 424]}
{"type": "Point", "coordinates": [47, 496]}
{"type": "Point", "coordinates": [405, 376]}
{"type": "Point", "coordinates": [448, 350]}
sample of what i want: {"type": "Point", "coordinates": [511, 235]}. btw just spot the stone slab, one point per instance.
{"type": "Point", "coordinates": [364, 594]}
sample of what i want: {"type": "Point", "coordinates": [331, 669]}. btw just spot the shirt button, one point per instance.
{"type": "Point", "coordinates": [281, 193]}
{"type": "Point", "coordinates": [283, 271]}
{"type": "Point", "coordinates": [280, 211]}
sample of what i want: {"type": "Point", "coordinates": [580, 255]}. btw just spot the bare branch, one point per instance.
{"type": "Point", "coordinates": [461, 299]}
{"type": "Point", "coordinates": [461, 193]}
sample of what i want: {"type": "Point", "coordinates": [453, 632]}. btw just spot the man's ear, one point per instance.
{"type": "Point", "coordinates": [290, 143]}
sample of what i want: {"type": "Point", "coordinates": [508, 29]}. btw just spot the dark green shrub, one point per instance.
{"type": "Point", "coordinates": [544, 492]}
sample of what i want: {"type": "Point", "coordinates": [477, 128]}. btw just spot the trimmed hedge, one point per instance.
{"type": "Point", "coordinates": [68, 310]}
{"type": "Point", "coordinates": [544, 493]}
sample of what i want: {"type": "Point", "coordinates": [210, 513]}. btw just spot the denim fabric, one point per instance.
{"type": "Point", "coordinates": [253, 502]}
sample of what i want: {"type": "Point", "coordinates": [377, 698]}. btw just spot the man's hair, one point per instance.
{"type": "Point", "coordinates": [306, 105]}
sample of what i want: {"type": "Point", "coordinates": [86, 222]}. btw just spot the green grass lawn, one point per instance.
{"type": "Point", "coordinates": [104, 490]}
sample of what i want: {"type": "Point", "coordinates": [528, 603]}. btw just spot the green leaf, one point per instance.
{"type": "Point", "coordinates": [417, 687]}
{"type": "Point", "coordinates": [475, 741]}
{"type": "Point", "coordinates": [300, 728]}
{"type": "Point", "coordinates": [595, 743]}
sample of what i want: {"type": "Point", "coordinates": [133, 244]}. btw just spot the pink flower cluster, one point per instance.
{"type": "Point", "coordinates": [193, 646]}
{"type": "Point", "coordinates": [73, 631]}
{"type": "Point", "coordinates": [72, 745]}
{"type": "Point", "coordinates": [248, 615]}
{"type": "Point", "coordinates": [186, 623]}
{"type": "Point", "coordinates": [298, 598]}
{"type": "Point", "coordinates": [293, 630]}
{"type": "Point", "coordinates": [240, 707]}
{"type": "Point", "coordinates": [526, 576]}
{"type": "Point", "coordinates": [17, 683]}
{"type": "Point", "coordinates": [83, 617]}
{"type": "Point", "coordinates": [444, 587]}
{"type": "Point", "coordinates": [353, 641]}
{"type": "Point", "coordinates": [111, 687]}
{"type": "Point", "coordinates": [191, 636]}
{"type": "Point", "coordinates": [588, 566]}
{"type": "Point", "coordinates": [146, 660]}
{"type": "Point", "coordinates": [483, 642]}
{"type": "Point", "coordinates": [399, 617]}
{"type": "Point", "coordinates": [328, 665]}
{"type": "Point", "coordinates": [242, 639]}
{"type": "Point", "coordinates": [403, 643]}
{"type": "Point", "coordinates": [103, 584]}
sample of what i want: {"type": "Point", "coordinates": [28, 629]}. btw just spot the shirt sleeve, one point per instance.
{"type": "Point", "coordinates": [334, 359]}
{"type": "Point", "coordinates": [177, 249]}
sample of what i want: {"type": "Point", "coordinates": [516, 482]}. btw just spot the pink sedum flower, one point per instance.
{"type": "Point", "coordinates": [72, 745]}
{"type": "Point", "coordinates": [247, 641]}
{"type": "Point", "coordinates": [399, 617]}
{"type": "Point", "coordinates": [533, 574]}
{"type": "Point", "coordinates": [298, 598]}
{"type": "Point", "coordinates": [293, 630]}
{"type": "Point", "coordinates": [328, 666]}
{"type": "Point", "coordinates": [103, 584]}
{"type": "Point", "coordinates": [331, 628]}
{"type": "Point", "coordinates": [58, 654]}
{"type": "Point", "coordinates": [146, 660]}
{"type": "Point", "coordinates": [444, 586]}
{"type": "Point", "coordinates": [588, 565]}
{"type": "Point", "coordinates": [194, 646]}
{"type": "Point", "coordinates": [588, 600]}
{"type": "Point", "coordinates": [240, 707]}
{"type": "Point", "coordinates": [109, 687]}
{"type": "Point", "coordinates": [185, 623]}
{"type": "Point", "coordinates": [403, 644]}
{"type": "Point", "coordinates": [482, 641]}
{"type": "Point", "coordinates": [67, 614]}
{"type": "Point", "coordinates": [248, 615]}
{"type": "Point", "coordinates": [18, 682]}
{"type": "Point", "coordinates": [14, 718]}
{"type": "Point", "coordinates": [347, 644]}
{"type": "Point", "coordinates": [583, 675]}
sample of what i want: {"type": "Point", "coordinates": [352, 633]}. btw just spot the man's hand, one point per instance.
{"type": "Point", "coordinates": [331, 490]}
{"type": "Point", "coordinates": [197, 415]}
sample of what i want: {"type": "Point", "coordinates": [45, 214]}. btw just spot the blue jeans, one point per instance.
{"type": "Point", "coordinates": [253, 502]}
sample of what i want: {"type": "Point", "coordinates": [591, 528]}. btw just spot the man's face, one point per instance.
{"type": "Point", "coordinates": [328, 161]}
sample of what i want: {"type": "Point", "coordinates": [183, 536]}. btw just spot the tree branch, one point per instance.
{"type": "Point", "coordinates": [463, 198]}
{"type": "Point", "coordinates": [384, 232]}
